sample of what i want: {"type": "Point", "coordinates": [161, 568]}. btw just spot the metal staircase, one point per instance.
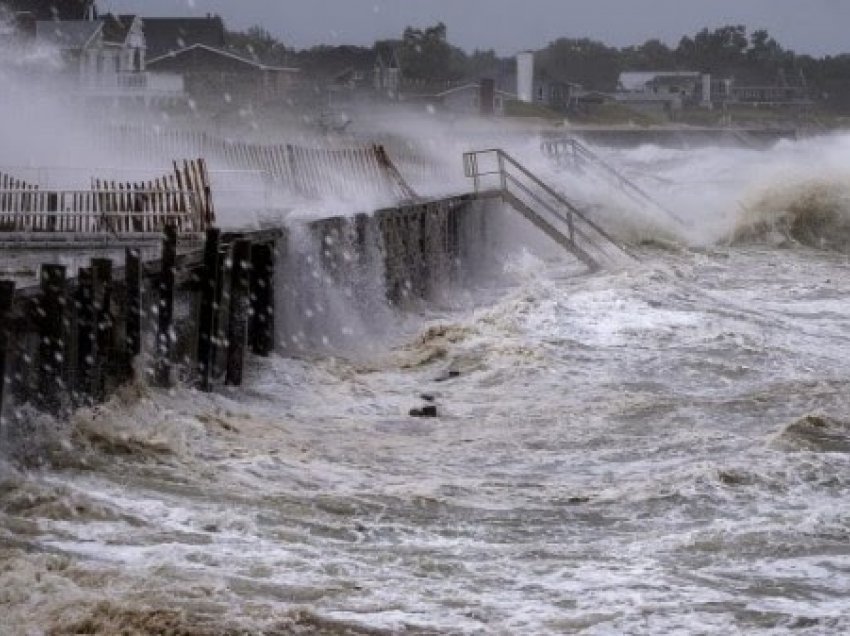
{"type": "Point", "coordinates": [496, 173]}
{"type": "Point", "coordinates": [568, 152]}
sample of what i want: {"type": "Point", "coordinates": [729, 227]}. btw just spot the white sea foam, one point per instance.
{"type": "Point", "coordinates": [615, 453]}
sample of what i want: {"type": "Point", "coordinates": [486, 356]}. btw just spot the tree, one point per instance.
{"type": "Point", "coordinates": [582, 61]}
{"type": "Point", "coordinates": [426, 54]}
{"type": "Point", "coordinates": [713, 51]}
{"type": "Point", "coordinates": [652, 55]}
{"type": "Point", "coordinates": [258, 44]}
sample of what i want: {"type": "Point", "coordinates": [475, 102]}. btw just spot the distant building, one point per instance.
{"type": "Point", "coordinates": [212, 75]}
{"type": "Point", "coordinates": [169, 35]}
{"type": "Point", "coordinates": [387, 74]}
{"type": "Point", "coordinates": [683, 84]}
{"type": "Point", "coordinates": [662, 93]}
{"type": "Point", "coordinates": [541, 87]}
{"type": "Point", "coordinates": [473, 99]}
{"type": "Point", "coordinates": [784, 92]}
{"type": "Point", "coordinates": [555, 94]}
{"type": "Point", "coordinates": [105, 58]}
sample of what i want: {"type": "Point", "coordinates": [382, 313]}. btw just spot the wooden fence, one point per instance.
{"type": "Point", "coordinates": [15, 195]}
{"type": "Point", "coordinates": [182, 199]}
{"type": "Point", "coordinates": [307, 172]}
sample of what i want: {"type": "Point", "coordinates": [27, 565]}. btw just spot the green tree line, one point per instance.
{"type": "Point", "coordinates": [727, 51]}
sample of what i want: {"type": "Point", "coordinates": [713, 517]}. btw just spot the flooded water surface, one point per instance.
{"type": "Point", "coordinates": [664, 448]}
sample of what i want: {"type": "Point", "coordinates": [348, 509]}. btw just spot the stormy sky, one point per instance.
{"type": "Point", "coordinates": [817, 27]}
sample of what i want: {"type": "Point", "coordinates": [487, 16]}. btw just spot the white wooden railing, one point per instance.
{"type": "Point", "coordinates": [88, 211]}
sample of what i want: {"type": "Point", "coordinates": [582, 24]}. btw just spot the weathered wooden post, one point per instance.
{"type": "Point", "coordinates": [262, 297]}
{"type": "Point", "coordinates": [361, 237]}
{"type": "Point", "coordinates": [206, 320]}
{"type": "Point", "coordinates": [7, 297]}
{"type": "Point", "coordinates": [104, 353]}
{"type": "Point", "coordinates": [53, 336]}
{"type": "Point", "coordinates": [133, 329]}
{"type": "Point", "coordinates": [222, 300]}
{"type": "Point", "coordinates": [165, 331]}
{"type": "Point", "coordinates": [240, 308]}
{"type": "Point", "coordinates": [86, 333]}
{"type": "Point", "coordinates": [239, 311]}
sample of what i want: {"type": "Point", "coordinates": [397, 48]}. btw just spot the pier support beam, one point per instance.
{"type": "Point", "coordinates": [104, 353]}
{"type": "Point", "coordinates": [240, 308]}
{"type": "Point", "coordinates": [53, 337]}
{"type": "Point", "coordinates": [262, 327]}
{"type": "Point", "coordinates": [165, 330]}
{"type": "Point", "coordinates": [206, 320]}
{"type": "Point", "coordinates": [7, 297]}
{"type": "Point", "coordinates": [86, 335]}
{"type": "Point", "coordinates": [133, 323]}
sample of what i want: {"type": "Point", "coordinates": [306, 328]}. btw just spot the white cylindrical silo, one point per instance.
{"type": "Point", "coordinates": [525, 76]}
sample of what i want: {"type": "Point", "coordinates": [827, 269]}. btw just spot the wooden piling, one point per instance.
{"type": "Point", "coordinates": [104, 353]}
{"type": "Point", "coordinates": [261, 328]}
{"type": "Point", "coordinates": [133, 322]}
{"type": "Point", "coordinates": [7, 297]}
{"type": "Point", "coordinates": [240, 308]}
{"type": "Point", "coordinates": [53, 337]}
{"type": "Point", "coordinates": [206, 320]}
{"type": "Point", "coordinates": [86, 334]}
{"type": "Point", "coordinates": [165, 331]}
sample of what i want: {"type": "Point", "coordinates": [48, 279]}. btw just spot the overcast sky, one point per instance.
{"type": "Point", "coordinates": [807, 26]}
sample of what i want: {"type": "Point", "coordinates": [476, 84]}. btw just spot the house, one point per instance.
{"type": "Point", "coordinates": [214, 76]}
{"type": "Point", "coordinates": [682, 84]}
{"type": "Point", "coordinates": [387, 74]}
{"type": "Point", "coordinates": [100, 50]}
{"type": "Point", "coordinates": [553, 93]}
{"type": "Point", "coordinates": [106, 58]}
{"type": "Point", "coordinates": [663, 93]}
{"type": "Point", "coordinates": [363, 82]}
{"type": "Point", "coordinates": [478, 98]}
{"type": "Point", "coordinates": [783, 92]}
{"type": "Point", "coordinates": [168, 35]}
{"type": "Point", "coordinates": [541, 87]}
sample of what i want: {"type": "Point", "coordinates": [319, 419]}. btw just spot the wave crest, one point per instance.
{"type": "Point", "coordinates": [814, 213]}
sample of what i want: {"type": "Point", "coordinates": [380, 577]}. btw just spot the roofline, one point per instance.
{"type": "Point", "coordinates": [199, 45]}
{"type": "Point", "coordinates": [99, 28]}
{"type": "Point", "coordinates": [135, 18]}
{"type": "Point", "coordinates": [471, 85]}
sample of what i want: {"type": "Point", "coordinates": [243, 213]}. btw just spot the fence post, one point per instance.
{"type": "Point", "coordinates": [262, 296]}
{"type": "Point", "coordinates": [133, 283]}
{"type": "Point", "coordinates": [52, 207]}
{"type": "Point", "coordinates": [240, 308]}
{"type": "Point", "coordinates": [7, 297]}
{"type": "Point", "coordinates": [206, 320]}
{"type": "Point", "coordinates": [165, 331]}
{"type": "Point", "coordinates": [53, 336]}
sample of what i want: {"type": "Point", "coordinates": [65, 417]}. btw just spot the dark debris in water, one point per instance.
{"type": "Point", "coordinates": [816, 433]}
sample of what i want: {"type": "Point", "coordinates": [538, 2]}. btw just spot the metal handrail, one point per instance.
{"type": "Point", "coordinates": [583, 153]}
{"type": "Point", "coordinates": [557, 206]}
{"type": "Point", "coordinates": [502, 159]}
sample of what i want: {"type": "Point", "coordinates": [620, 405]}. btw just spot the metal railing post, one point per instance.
{"type": "Point", "coordinates": [503, 177]}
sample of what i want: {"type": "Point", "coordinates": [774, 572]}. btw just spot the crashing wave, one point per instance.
{"type": "Point", "coordinates": [813, 213]}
